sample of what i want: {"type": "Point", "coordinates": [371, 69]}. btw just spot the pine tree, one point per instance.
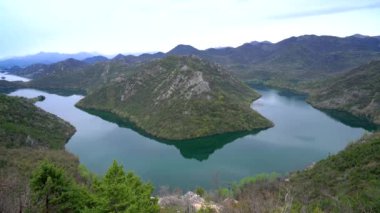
{"type": "Point", "coordinates": [54, 191]}
{"type": "Point", "coordinates": [48, 183]}
{"type": "Point", "coordinates": [124, 192]}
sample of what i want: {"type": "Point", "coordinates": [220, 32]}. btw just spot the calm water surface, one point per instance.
{"type": "Point", "coordinates": [301, 136]}
{"type": "Point", "coordinates": [9, 77]}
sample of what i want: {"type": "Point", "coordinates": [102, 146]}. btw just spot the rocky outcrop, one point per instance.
{"type": "Point", "coordinates": [190, 201]}
{"type": "Point", "coordinates": [186, 85]}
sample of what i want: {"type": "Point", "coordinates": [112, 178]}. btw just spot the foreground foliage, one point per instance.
{"type": "Point", "coordinates": [117, 191]}
{"type": "Point", "coordinates": [31, 138]}
{"type": "Point", "coordinates": [54, 191]}
{"type": "Point", "coordinates": [348, 181]}
{"type": "Point", "coordinates": [28, 135]}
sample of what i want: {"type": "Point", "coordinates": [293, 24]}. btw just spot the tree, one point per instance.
{"type": "Point", "coordinates": [54, 191]}
{"type": "Point", "coordinates": [123, 192]}
{"type": "Point", "coordinates": [48, 183]}
{"type": "Point", "coordinates": [118, 191]}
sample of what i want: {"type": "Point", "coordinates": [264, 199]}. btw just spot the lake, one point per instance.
{"type": "Point", "coordinates": [10, 77]}
{"type": "Point", "coordinates": [301, 135]}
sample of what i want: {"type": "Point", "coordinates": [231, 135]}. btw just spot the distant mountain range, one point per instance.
{"type": "Point", "coordinates": [257, 51]}
{"type": "Point", "coordinates": [292, 61]}
{"type": "Point", "coordinates": [46, 58]}
{"type": "Point", "coordinates": [298, 55]}
{"type": "Point", "coordinates": [95, 59]}
{"type": "Point", "coordinates": [289, 63]}
{"type": "Point", "coordinates": [303, 64]}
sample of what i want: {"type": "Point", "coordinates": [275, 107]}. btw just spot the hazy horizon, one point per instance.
{"type": "Point", "coordinates": [152, 52]}
{"type": "Point", "coordinates": [128, 27]}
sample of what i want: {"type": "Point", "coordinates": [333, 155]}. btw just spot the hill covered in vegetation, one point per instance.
{"type": "Point", "coordinates": [356, 92]}
{"type": "Point", "coordinates": [23, 124]}
{"type": "Point", "coordinates": [345, 182]}
{"type": "Point", "coordinates": [71, 75]}
{"type": "Point", "coordinates": [180, 98]}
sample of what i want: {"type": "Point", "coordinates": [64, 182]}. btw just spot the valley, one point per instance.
{"type": "Point", "coordinates": [189, 118]}
{"type": "Point", "coordinates": [192, 106]}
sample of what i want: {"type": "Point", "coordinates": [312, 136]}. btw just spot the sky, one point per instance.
{"type": "Point", "coordinates": [122, 26]}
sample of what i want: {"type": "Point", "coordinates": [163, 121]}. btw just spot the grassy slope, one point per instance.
{"type": "Point", "coordinates": [357, 92]}
{"type": "Point", "coordinates": [28, 135]}
{"type": "Point", "coordinates": [162, 99]}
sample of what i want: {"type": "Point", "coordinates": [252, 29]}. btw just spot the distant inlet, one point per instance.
{"type": "Point", "coordinates": [10, 77]}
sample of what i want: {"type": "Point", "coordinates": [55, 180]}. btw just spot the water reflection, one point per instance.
{"type": "Point", "coordinates": [199, 148]}
{"type": "Point", "coordinates": [350, 120]}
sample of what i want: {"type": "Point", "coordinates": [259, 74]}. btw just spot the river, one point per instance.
{"type": "Point", "coordinates": [301, 135]}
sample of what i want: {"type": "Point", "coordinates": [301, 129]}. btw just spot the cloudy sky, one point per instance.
{"type": "Point", "coordinates": [123, 26]}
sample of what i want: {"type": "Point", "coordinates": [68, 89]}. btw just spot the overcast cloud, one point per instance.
{"type": "Point", "coordinates": [121, 26]}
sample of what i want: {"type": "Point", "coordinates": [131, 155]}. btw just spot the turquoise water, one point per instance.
{"type": "Point", "coordinates": [301, 136]}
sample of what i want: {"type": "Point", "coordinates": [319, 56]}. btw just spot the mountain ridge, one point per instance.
{"type": "Point", "coordinates": [307, 57]}
{"type": "Point", "coordinates": [42, 58]}
{"type": "Point", "coordinates": [296, 63]}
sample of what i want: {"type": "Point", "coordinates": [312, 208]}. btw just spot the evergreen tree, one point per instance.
{"type": "Point", "coordinates": [48, 183]}
{"type": "Point", "coordinates": [55, 192]}
{"type": "Point", "coordinates": [123, 192]}
{"type": "Point", "coordinates": [116, 192]}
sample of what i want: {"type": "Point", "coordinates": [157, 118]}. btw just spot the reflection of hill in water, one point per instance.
{"type": "Point", "coordinates": [9, 86]}
{"type": "Point", "coordinates": [281, 92]}
{"type": "Point", "coordinates": [199, 148]}
{"type": "Point", "coordinates": [350, 120]}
